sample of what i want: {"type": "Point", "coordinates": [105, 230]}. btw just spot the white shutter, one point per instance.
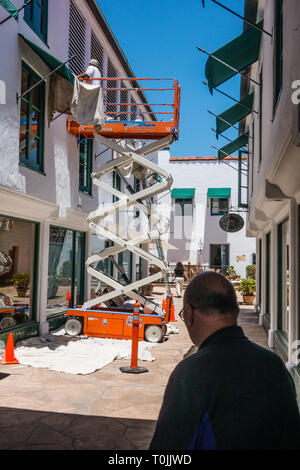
{"type": "Point", "coordinates": [77, 40]}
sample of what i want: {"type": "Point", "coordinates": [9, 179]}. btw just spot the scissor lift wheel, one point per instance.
{"type": "Point", "coordinates": [154, 333]}
{"type": "Point", "coordinates": [73, 327]}
{"type": "Point", "coordinates": [7, 322]}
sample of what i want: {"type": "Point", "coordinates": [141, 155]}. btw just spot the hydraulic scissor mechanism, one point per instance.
{"type": "Point", "coordinates": [154, 180]}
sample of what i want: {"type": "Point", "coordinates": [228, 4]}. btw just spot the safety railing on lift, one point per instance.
{"type": "Point", "coordinates": [128, 116]}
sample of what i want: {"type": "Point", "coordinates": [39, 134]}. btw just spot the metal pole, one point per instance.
{"type": "Point", "coordinates": [233, 99]}
{"type": "Point", "coordinates": [254, 25]}
{"type": "Point", "coordinates": [20, 9]}
{"type": "Point", "coordinates": [228, 123]}
{"type": "Point", "coordinates": [43, 79]}
{"type": "Point", "coordinates": [224, 137]}
{"type": "Point", "coordinates": [229, 66]}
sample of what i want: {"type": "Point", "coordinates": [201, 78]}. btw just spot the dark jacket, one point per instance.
{"type": "Point", "coordinates": [231, 394]}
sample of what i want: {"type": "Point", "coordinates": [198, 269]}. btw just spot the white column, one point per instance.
{"type": "Point", "coordinates": [263, 280]}
{"type": "Point", "coordinates": [273, 284]}
{"type": "Point", "coordinates": [43, 278]}
{"type": "Point", "coordinates": [87, 277]}
{"type": "Point", "coordinates": [293, 281]}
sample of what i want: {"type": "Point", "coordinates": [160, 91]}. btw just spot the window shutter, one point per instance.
{"type": "Point", "coordinates": [77, 40]}
{"type": "Point", "coordinates": [97, 51]}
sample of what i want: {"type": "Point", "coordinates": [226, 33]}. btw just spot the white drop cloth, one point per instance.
{"type": "Point", "coordinates": [87, 105]}
{"type": "Point", "coordinates": [76, 355]}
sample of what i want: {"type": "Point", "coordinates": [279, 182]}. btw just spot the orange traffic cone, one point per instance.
{"type": "Point", "coordinates": [9, 355]}
{"type": "Point", "coordinates": [68, 298]}
{"type": "Point", "coordinates": [172, 313]}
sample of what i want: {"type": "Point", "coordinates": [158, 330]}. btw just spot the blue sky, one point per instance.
{"type": "Point", "coordinates": [159, 39]}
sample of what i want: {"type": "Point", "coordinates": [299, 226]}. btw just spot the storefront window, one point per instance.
{"type": "Point", "coordinates": [65, 270]}
{"type": "Point", "coordinates": [18, 261]}
{"type": "Point", "coordinates": [283, 276]}
{"type": "Point", "coordinates": [125, 263]}
{"type": "Point", "coordinates": [105, 266]}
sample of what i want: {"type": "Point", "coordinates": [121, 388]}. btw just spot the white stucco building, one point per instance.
{"type": "Point", "coordinates": [204, 190]}
{"type": "Point", "coordinates": [45, 186]}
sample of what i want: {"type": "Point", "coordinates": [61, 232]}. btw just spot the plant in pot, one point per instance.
{"type": "Point", "coordinates": [21, 282]}
{"type": "Point", "coordinates": [53, 283]}
{"type": "Point", "coordinates": [247, 289]}
{"type": "Point", "coordinates": [65, 273]}
{"type": "Point", "coordinates": [230, 272]}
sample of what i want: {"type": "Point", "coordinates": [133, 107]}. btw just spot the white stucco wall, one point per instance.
{"type": "Point", "coordinates": [203, 227]}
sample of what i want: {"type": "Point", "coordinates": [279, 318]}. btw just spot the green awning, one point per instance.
{"type": "Point", "coordinates": [51, 61]}
{"type": "Point", "coordinates": [183, 193]}
{"type": "Point", "coordinates": [218, 193]}
{"type": "Point", "coordinates": [10, 8]}
{"type": "Point", "coordinates": [234, 114]}
{"type": "Point", "coordinates": [233, 146]}
{"type": "Point", "coordinates": [239, 54]}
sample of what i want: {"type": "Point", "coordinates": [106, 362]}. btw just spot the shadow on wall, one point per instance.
{"type": "Point", "coordinates": [180, 236]}
{"type": "Point", "coordinates": [213, 234]}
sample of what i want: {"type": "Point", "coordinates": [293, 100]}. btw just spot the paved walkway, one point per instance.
{"type": "Point", "coordinates": [107, 410]}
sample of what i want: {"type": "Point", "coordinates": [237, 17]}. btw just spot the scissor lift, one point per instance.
{"type": "Point", "coordinates": [141, 124]}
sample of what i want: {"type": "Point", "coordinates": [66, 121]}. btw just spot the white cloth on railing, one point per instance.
{"type": "Point", "coordinates": [87, 105]}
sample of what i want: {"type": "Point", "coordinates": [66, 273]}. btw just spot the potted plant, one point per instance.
{"type": "Point", "coordinates": [230, 272]}
{"type": "Point", "coordinates": [247, 289]}
{"type": "Point", "coordinates": [21, 282]}
{"type": "Point", "coordinates": [65, 273]}
{"type": "Point", "coordinates": [251, 271]}
{"type": "Point", "coordinates": [53, 283]}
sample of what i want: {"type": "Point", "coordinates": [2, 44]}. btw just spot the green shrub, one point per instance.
{"type": "Point", "coordinates": [21, 280]}
{"type": "Point", "coordinates": [251, 271]}
{"type": "Point", "coordinates": [247, 287]}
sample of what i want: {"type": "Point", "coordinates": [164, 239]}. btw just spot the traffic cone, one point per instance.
{"type": "Point", "coordinates": [172, 313]}
{"type": "Point", "coordinates": [68, 298]}
{"type": "Point", "coordinates": [9, 355]}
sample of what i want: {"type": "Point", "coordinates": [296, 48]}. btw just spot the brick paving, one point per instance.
{"type": "Point", "coordinates": [106, 410]}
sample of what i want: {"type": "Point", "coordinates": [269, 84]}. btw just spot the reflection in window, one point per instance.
{"type": "Point", "coordinates": [17, 273]}
{"type": "Point", "coordinates": [219, 206]}
{"type": "Point", "coordinates": [66, 269]}
{"type": "Point", "coordinates": [183, 207]}
{"type": "Point", "coordinates": [31, 120]}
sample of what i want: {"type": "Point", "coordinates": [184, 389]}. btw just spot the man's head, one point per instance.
{"type": "Point", "coordinates": [210, 303]}
{"type": "Point", "coordinates": [94, 62]}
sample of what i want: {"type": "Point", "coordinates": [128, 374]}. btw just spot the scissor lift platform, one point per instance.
{"type": "Point", "coordinates": [133, 119]}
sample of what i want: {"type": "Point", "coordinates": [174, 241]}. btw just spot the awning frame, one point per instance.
{"type": "Point", "coordinates": [43, 79]}
{"type": "Point", "coordinates": [235, 113]}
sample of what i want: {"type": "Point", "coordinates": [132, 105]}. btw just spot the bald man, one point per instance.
{"type": "Point", "coordinates": [231, 394]}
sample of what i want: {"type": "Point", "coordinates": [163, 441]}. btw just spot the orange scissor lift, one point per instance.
{"type": "Point", "coordinates": [129, 118]}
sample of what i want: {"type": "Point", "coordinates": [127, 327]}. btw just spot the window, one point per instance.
{"type": "Point", "coordinates": [125, 263]}
{"type": "Point", "coordinates": [219, 206]}
{"type": "Point", "coordinates": [97, 51]}
{"type": "Point", "coordinates": [137, 188]}
{"type": "Point", "coordinates": [66, 269]}
{"type": "Point", "coordinates": [116, 184]}
{"type": "Point", "coordinates": [77, 40]}
{"type": "Point", "coordinates": [36, 16]}
{"type": "Point", "coordinates": [32, 121]}
{"type": "Point", "coordinates": [19, 240]}
{"type": "Point", "coordinates": [183, 207]}
{"type": "Point", "coordinates": [85, 165]}
{"type": "Point", "coordinates": [112, 95]}
{"type": "Point", "coordinates": [219, 257]}
{"type": "Point", "coordinates": [278, 50]}
{"type": "Point", "coordinates": [124, 99]}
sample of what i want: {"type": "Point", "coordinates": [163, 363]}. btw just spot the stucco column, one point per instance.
{"type": "Point", "coordinates": [293, 281]}
{"type": "Point", "coordinates": [88, 277]}
{"type": "Point", "coordinates": [43, 278]}
{"type": "Point", "coordinates": [273, 285]}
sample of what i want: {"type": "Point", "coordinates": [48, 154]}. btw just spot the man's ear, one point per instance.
{"type": "Point", "coordinates": [188, 315]}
